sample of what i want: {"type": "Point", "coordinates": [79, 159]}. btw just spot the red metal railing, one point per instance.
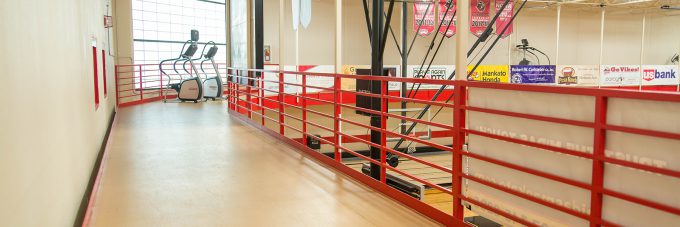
{"type": "Point", "coordinates": [286, 108]}
{"type": "Point", "coordinates": [277, 114]}
{"type": "Point", "coordinates": [142, 83]}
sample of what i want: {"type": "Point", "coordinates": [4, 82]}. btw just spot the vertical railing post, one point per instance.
{"type": "Point", "coordinates": [260, 92]}
{"type": "Point", "coordinates": [304, 109]}
{"type": "Point", "coordinates": [160, 78]}
{"type": "Point", "coordinates": [116, 82]}
{"type": "Point", "coordinates": [383, 126]}
{"type": "Point", "coordinates": [237, 86]}
{"type": "Point", "coordinates": [337, 100]}
{"type": "Point", "coordinates": [228, 88]}
{"type": "Point", "coordinates": [249, 104]}
{"type": "Point", "coordinates": [460, 94]}
{"type": "Point", "coordinates": [599, 142]}
{"type": "Point", "coordinates": [141, 88]}
{"type": "Point", "coordinates": [281, 120]}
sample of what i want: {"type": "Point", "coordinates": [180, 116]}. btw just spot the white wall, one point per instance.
{"type": "Point", "coordinates": [579, 36]}
{"type": "Point", "coordinates": [50, 131]}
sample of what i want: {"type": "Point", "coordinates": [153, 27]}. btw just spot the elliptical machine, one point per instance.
{"type": "Point", "coordinates": [189, 89]}
{"type": "Point", "coordinates": [212, 86]}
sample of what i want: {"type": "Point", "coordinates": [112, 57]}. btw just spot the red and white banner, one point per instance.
{"type": "Point", "coordinates": [479, 16]}
{"type": "Point", "coordinates": [446, 21]}
{"type": "Point", "coordinates": [505, 17]}
{"type": "Point", "coordinates": [423, 17]}
{"type": "Point", "coordinates": [659, 75]}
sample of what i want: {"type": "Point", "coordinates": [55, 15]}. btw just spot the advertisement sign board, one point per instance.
{"type": "Point", "coordinates": [619, 75]}
{"type": "Point", "coordinates": [436, 72]}
{"type": "Point", "coordinates": [577, 75]}
{"type": "Point", "coordinates": [659, 75]}
{"type": "Point", "coordinates": [490, 73]}
{"type": "Point", "coordinates": [532, 74]}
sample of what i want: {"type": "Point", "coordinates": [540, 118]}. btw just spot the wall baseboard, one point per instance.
{"type": "Point", "coordinates": [85, 202]}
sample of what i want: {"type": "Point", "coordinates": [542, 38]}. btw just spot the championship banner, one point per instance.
{"type": "Point", "coordinates": [660, 75]}
{"type": "Point", "coordinates": [446, 21]}
{"type": "Point", "coordinates": [505, 17]}
{"type": "Point", "coordinates": [620, 75]}
{"type": "Point", "coordinates": [533, 74]}
{"type": "Point", "coordinates": [479, 16]}
{"type": "Point", "coordinates": [436, 72]}
{"type": "Point", "coordinates": [579, 75]}
{"type": "Point", "coordinates": [423, 15]}
{"type": "Point", "coordinates": [490, 73]}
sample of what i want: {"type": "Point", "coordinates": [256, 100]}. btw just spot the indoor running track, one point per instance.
{"type": "Point", "coordinates": [193, 165]}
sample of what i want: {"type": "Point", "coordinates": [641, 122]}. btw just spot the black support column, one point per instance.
{"type": "Point", "coordinates": [258, 33]}
{"type": "Point", "coordinates": [376, 69]}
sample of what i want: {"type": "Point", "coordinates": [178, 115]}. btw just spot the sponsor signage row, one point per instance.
{"type": "Point", "coordinates": [562, 75]}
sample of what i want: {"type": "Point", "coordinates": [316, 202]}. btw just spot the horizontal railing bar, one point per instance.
{"type": "Point", "coordinates": [531, 117]}
{"type": "Point", "coordinates": [531, 144]}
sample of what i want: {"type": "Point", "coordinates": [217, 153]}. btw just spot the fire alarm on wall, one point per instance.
{"type": "Point", "coordinates": [108, 21]}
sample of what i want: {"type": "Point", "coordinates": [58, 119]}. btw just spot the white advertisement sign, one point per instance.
{"type": "Point", "coordinates": [577, 75]}
{"type": "Point", "coordinates": [436, 72]}
{"type": "Point", "coordinates": [660, 75]}
{"type": "Point", "coordinates": [350, 84]}
{"type": "Point", "coordinates": [619, 75]}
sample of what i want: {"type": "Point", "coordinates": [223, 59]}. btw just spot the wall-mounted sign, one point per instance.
{"type": "Point", "coordinates": [619, 75]}
{"type": "Point", "coordinates": [660, 75]}
{"type": "Point", "coordinates": [479, 16]}
{"type": "Point", "coordinates": [446, 17]}
{"type": "Point", "coordinates": [436, 72]}
{"type": "Point", "coordinates": [490, 73]}
{"type": "Point", "coordinates": [580, 75]}
{"type": "Point", "coordinates": [423, 18]}
{"type": "Point", "coordinates": [108, 21]}
{"type": "Point", "coordinates": [532, 74]}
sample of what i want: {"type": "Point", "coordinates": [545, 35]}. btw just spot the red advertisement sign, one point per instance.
{"type": "Point", "coordinates": [479, 16]}
{"type": "Point", "coordinates": [445, 21]}
{"type": "Point", "coordinates": [504, 18]}
{"type": "Point", "coordinates": [423, 17]}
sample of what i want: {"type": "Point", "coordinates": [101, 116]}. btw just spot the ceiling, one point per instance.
{"type": "Point", "coordinates": [633, 6]}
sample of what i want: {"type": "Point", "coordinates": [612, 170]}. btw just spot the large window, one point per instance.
{"type": "Point", "coordinates": [160, 27]}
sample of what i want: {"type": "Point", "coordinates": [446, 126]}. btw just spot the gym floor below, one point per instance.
{"type": "Point", "coordinates": [186, 164]}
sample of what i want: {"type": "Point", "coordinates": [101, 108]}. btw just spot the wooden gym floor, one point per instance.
{"type": "Point", "coordinates": [192, 165]}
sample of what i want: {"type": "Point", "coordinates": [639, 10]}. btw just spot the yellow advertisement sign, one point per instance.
{"type": "Point", "coordinates": [490, 73]}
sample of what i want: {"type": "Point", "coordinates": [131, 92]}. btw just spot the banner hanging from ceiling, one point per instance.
{"type": "Point", "coordinates": [504, 18]}
{"type": "Point", "coordinates": [446, 17]}
{"type": "Point", "coordinates": [423, 18]}
{"type": "Point", "coordinates": [479, 16]}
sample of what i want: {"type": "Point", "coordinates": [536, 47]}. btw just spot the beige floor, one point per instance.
{"type": "Point", "coordinates": [192, 165]}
